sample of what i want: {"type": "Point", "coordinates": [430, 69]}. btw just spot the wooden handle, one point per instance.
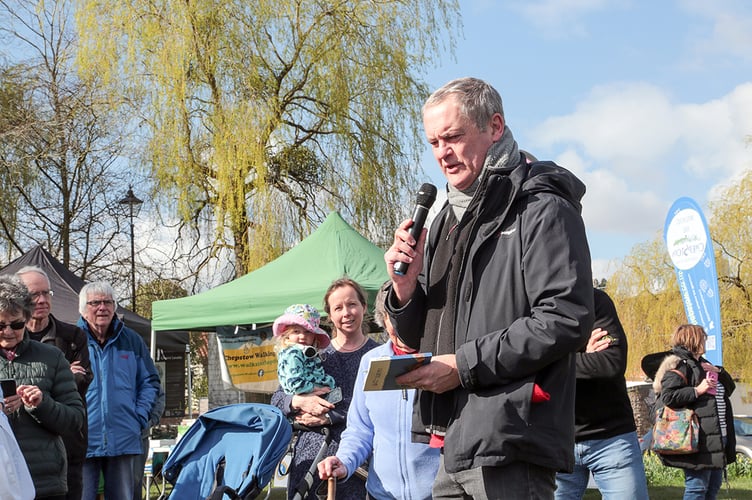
{"type": "Point", "coordinates": [331, 492]}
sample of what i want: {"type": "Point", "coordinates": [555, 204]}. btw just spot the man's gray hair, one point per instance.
{"type": "Point", "coordinates": [477, 100]}
{"type": "Point", "coordinates": [33, 269]}
{"type": "Point", "coordinates": [94, 288]}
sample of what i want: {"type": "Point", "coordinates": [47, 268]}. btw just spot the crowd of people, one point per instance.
{"type": "Point", "coordinates": [498, 289]}
{"type": "Point", "coordinates": [84, 394]}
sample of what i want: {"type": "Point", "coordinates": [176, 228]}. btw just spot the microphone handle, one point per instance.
{"type": "Point", "coordinates": [419, 219]}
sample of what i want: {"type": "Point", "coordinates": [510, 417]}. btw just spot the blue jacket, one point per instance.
{"type": "Point", "coordinates": [379, 422]}
{"type": "Point", "coordinates": [120, 398]}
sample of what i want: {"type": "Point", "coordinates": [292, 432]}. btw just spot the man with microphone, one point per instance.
{"type": "Point", "coordinates": [501, 294]}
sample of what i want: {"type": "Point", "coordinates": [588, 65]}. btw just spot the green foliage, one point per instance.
{"type": "Point", "coordinates": [667, 483]}
{"type": "Point", "coordinates": [158, 289]}
{"type": "Point", "coordinates": [741, 468]}
{"type": "Point", "coordinates": [658, 474]}
{"type": "Point", "coordinates": [730, 223]}
{"type": "Point", "coordinates": [264, 116]}
{"type": "Point", "coordinates": [200, 364]}
{"type": "Point", "coordinates": [15, 116]}
{"type": "Point", "coordinates": [648, 302]}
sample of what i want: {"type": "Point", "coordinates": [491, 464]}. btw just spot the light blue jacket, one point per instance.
{"type": "Point", "coordinates": [378, 426]}
{"type": "Point", "coordinates": [121, 395]}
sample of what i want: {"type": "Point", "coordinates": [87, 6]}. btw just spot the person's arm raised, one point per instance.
{"type": "Point", "coordinates": [405, 249]}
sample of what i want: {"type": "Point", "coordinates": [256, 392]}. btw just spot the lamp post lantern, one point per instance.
{"type": "Point", "coordinates": [134, 206]}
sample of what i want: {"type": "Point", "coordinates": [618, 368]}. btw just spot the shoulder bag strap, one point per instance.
{"type": "Point", "coordinates": [681, 375]}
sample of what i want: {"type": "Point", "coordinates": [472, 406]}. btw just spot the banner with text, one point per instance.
{"type": "Point", "coordinates": [249, 362]}
{"type": "Point", "coordinates": [691, 251]}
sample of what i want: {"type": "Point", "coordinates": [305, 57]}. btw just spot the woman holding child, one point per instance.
{"type": "Point", "coordinates": [345, 304]}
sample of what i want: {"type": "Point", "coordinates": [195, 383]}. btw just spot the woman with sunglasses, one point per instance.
{"type": "Point", "coordinates": [46, 402]}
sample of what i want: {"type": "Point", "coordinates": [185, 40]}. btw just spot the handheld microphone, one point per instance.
{"type": "Point", "coordinates": [426, 197]}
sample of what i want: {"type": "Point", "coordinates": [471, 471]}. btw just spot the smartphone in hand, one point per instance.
{"type": "Point", "coordinates": [711, 375]}
{"type": "Point", "coordinates": [8, 386]}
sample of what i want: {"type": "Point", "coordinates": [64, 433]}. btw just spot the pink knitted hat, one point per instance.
{"type": "Point", "coordinates": [305, 316]}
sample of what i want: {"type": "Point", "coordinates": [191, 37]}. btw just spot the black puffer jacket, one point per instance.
{"type": "Point", "coordinates": [523, 307]}
{"type": "Point", "coordinates": [673, 391]}
{"type": "Point", "coordinates": [38, 430]}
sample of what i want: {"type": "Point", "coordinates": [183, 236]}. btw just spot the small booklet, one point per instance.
{"type": "Point", "coordinates": [383, 371]}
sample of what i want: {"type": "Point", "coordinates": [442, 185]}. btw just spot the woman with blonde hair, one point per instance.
{"type": "Point", "coordinates": [685, 379]}
{"type": "Point", "coordinates": [346, 306]}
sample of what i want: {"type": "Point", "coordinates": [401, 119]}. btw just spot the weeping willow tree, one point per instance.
{"type": "Point", "coordinates": [730, 223]}
{"type": "Point", "coordinates": [13, 115]}
{"type": "Point", "coordinates": [647, 299]}
{"type": "Point", "coordinates": [263, 116]}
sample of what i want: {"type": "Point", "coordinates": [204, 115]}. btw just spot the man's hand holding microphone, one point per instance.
{"type": "Point", "coordinates": [408, 247]}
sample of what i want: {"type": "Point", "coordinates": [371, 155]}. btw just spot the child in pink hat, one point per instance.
{"type": "Point", "coordinates": [298, 340]}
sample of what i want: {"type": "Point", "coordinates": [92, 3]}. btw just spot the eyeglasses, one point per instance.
{"type": "Point", "coordinates": [16, 325]}
{"type": "Point", "coordinates": [97, 303]}
{"type": "Point", "coordinates": [42, 293]}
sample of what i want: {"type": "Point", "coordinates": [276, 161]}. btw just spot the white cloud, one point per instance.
{"type": "Point", "coordinates": [610, 205]}
{"type": "Point", "coordinates": [620, 138]}
{"type": "Point", "coordinates": [624, 127]}
{"type": "Point", "coordinates": [714, 134]}
{"type": "Point", "coordinates": [727, 30]}
{"type": "Point", "coordinates": [603, 268]}
{"type": "Point", "coordinates": [560, 17]}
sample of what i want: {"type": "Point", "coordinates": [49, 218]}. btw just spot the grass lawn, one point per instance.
{"type": "Point", "coordinates": [740, 489]}
{"type": "Point", "coordinates": [667, 483]}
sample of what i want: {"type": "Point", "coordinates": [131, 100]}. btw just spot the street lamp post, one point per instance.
{"type": "Point", "coordinates": [134, 206]}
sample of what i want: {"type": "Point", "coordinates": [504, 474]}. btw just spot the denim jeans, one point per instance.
{"type": "Point", "coordinates": [516, 481]}
{"type": "Point", "coordinates": [118, 477]}
{"type": "Point", "coordinates": [616, 465]}
{"type": "Point", "coordinates": [702, 484]}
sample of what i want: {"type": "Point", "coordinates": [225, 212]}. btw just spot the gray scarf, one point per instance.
{"type": "Point", "coordinates": [502, 153]}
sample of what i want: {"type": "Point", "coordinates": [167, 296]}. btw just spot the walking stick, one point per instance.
{"type": "Point", "coordinates": [331, 492]}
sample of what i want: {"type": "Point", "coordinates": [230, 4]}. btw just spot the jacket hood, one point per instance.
{"type": "Point", "coordinates": [651, 362]}
{"type": "Point", "coordinates": [669, 363]}
{"type": "Point", "coordinates": [548, 177]}
{"type": "Point", "coordinates": [529, 179]}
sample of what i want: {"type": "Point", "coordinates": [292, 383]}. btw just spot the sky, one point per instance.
{"type": "Point", "coordinates": [645, 101]}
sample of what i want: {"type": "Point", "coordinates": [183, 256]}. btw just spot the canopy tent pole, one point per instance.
{"type": "Point", "coordinates": [190, 379]}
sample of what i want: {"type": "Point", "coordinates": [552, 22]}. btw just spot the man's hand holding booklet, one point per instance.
{"type": "Point", "coordinates": [383, 371]}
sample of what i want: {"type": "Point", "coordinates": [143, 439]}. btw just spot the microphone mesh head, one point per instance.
{"type": "Point", "coordinates": [426, 195]}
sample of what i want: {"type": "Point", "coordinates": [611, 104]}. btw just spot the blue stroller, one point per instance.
{"type": "Point", "coordinates": [229, 452]}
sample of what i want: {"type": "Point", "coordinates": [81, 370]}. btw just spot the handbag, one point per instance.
{"type": "Point", "coordinates": [675, 432]}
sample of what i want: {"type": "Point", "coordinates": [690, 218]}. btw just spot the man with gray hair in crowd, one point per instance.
{"type": "Point", "coordinates": [42, 326]}
{"type": "Point", "coordinates": [121, 397]}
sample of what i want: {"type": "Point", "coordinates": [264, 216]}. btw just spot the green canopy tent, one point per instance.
{"type": "Point", "coordinates": [301, 275]}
